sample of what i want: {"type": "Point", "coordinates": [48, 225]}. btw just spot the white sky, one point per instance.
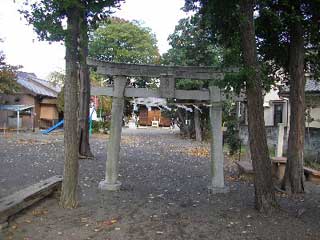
{"type": "Point", "coordinates": [21, 46]}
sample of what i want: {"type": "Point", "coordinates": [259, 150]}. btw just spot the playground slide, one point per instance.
{"type": "Point", "coordinates": [53, 127]}
{"type": "Point", "coordinates": [61, 123]}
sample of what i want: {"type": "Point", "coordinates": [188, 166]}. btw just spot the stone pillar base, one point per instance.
{"type": "Point", "coordinates": [104, 185]}
{"type": "Point", "coordinates": [215, 190]}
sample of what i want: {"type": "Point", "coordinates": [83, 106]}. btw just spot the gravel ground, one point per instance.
{"type": "Point", "coordinates": [164, 194]}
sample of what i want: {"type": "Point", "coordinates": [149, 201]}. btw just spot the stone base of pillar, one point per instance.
{"type": "Point", "coordinates": [216, 190]}
{"type": "Point", "coordinates": [104, 185]}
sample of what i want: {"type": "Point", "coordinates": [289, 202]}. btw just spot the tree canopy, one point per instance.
{"type": "Point", "coordinates": [191, 44]}
{"type": "Point", "coordinates": [49, 17]}
{"type": "Point", "coordinates": [274, 24]}
{"type": "Point", "coordinates": [118, 40]}
{"type": "Point", "coordinates": [7, 76]}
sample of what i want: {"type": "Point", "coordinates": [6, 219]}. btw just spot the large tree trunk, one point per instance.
{"type": "Point", "coordinates": [264, 191]}
{"type": "Point", "coordinates": [71, 165]}
{"type": "Point", "coordinates": [84, 97]}
{"type": "Point", "coordinates": [293, 178]}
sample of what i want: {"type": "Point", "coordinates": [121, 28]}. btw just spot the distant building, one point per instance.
{"type": "Point", "coordinates": [39, 99]}
{"type": "Point", "coordinates": [277, 110]}
{"type": "Point", "coordinates": [312, 92]}
{"type": "Point", "coordinates": [150, 111]}
{"type": "Point", "coordinates": [277, 106]}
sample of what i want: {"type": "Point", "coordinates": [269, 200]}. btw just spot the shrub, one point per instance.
{"type": "Point", "coordinates": [97, 125]}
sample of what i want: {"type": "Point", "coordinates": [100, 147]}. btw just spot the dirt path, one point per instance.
{"type": "Point", "coordinates": [164, 194]}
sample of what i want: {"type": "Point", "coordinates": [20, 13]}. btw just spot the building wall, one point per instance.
{"type": "Point", "coordinates": [315, 114]}
{"type": "Point", "coordinates": [49, 112]}
{"type": "Point", "coordinates": [44, 114]}
{"type": "Point", "coordinates": [268, 116]}
{"type": "Point", "coordinates": [17, 99]}
{"type": "Point", "coordinates": [269, 100]}
{"type": "Point", "coordinates": [146, 117]}
{"type": "Point", "coordinates": [312, 138]}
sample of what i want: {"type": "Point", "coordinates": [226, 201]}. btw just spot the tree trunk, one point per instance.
{"type": "Point", "coordinates": [294, 176]}
{"type": "Point", "coordinates": [184, 129]}
{"type": "Point", "coordinates": [264, 192]}
{"type": "Point", "coordinates": [84, 97]}
{"type": "Point", "coordinates": [71, 166]}
{"type": "Point", "coordinates": [197, 125]}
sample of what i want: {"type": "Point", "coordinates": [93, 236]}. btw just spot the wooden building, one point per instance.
{"type": "Point", "coordinates": [152, 114]}
{"type": "Point", "coordinates": [38, 93]}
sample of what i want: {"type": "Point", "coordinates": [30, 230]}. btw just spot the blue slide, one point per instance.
{"type": "Point", "coordinates": [53, 127]}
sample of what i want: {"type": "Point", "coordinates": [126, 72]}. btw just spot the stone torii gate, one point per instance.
{"type": "Point", "coordinates": [167, 75]}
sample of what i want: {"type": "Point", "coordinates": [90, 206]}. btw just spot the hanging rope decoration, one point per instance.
{"type": "Point", "coordinates": [161, 103]}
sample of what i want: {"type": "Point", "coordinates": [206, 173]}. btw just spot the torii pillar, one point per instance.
{"type": "Point", "coordinates": [216, 165]}
{"type": "Point", "coordinates": [111, 182]}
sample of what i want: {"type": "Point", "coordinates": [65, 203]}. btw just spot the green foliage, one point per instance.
{"type": "Point", "coordinates": [223, 25]}
{"type": "Point", "coordinates": [97, 80]}
{"type": "Point", "coordinates": [7, 76]}
{"type": "Point", "coordinates": [236, 82]}
{"type": "Point", "coordinates": [118, 40]}
{"type": "Point", "coordinates": [105, 105]}
{"type": "Point", "coordinates": [192, 45]}
{"type": "Point", "coordinates": [231, 136]}
{"type": "Point", "coordinates": [273, 26]}
{"type": "Point", "coordinates": [57, 78]}
{"type": "Point", "coordinates": [60, 100]}
{"type": "Point", "coordinates": [97, 125]}
{"type": "Point", "coordinates": [222, 18]}
{"type": "Point", "coordinates": [48, 17]}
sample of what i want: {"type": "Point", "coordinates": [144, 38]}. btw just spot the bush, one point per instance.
{"type": "Point", "coordinates": [231, 135]}
{"type": "Point", "coordinates": [232, 138]}
{"type": "Point", "coordinates": [97, 125]}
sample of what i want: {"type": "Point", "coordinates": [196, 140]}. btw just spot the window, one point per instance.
{"type": "Point", "coordinates": [277, 115]}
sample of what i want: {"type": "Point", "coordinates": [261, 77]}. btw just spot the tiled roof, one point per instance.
{"type": "Point", "coordinates": [311, 86]}
{"type": "Point", "coordinates": [36, 85]}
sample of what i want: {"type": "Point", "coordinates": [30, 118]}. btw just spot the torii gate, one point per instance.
{"type": "Point", "coordinates": [167, 75]}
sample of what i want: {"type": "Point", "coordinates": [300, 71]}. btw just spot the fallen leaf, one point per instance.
{"type": "Point", "coordinates": [39, 212]}
{"type": "Point", "coordinates": [109, 222]}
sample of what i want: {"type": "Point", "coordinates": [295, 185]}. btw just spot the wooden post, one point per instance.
{"type": "Point", "coordinates": [111, 182]}
{"type": "Point", "coordinates": [197, 125]}
{"type": "Point", "coordinates": [18, 120]}
{"type": "Point", "coordinates": [217, 173]}
{"type": "Point", "coordinates": [279, 149]}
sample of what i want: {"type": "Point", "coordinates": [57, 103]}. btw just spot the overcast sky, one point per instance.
{"type": "Point", "coordinates": [21, 46]}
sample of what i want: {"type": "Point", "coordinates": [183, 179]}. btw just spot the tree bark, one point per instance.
{"type": "Point", "coordinates": [68, 197]}
{"type": "Point", "coordinates": [264, 191]}
{"type": "Point", "coordinates": [182, 123]}
{"type": "Point", "coordinates": [294, 175]}
{"type": "Point", "coordinates": [197, 125]}
{"type": "Point", "coordinates": [84, 97]}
